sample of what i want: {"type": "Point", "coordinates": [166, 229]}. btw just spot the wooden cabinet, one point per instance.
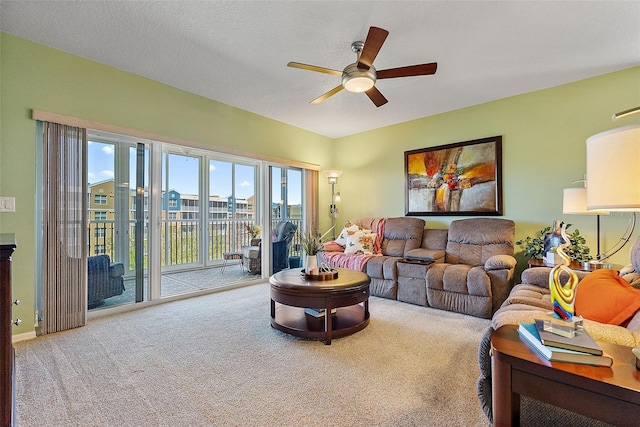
{"type": "Point", "coordinates": [7, 370]}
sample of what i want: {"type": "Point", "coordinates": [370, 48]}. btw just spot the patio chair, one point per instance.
{"type": "Point", "coordinates": [252, 255]}
{"type": "Point", "coordinates": [105, 279]}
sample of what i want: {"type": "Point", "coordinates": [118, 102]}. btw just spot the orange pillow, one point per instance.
{"type": "Point", "coordinates": [606, 297]}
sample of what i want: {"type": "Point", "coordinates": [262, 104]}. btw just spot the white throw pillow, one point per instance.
{"type": "Point", "coordinates": [360, 242]}
{"type": "Point", "coordinates": [344, 234]}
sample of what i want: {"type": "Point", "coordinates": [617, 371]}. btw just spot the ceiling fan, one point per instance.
{"type": "Point", "coordinates": [361, 76]}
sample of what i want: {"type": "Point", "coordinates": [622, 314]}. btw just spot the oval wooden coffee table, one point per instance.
{"type": "Point", "coordinates": [348, 294]}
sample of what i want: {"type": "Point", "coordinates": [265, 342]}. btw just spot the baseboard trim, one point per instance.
{"type": "Point", "coordinates": [23, 337]}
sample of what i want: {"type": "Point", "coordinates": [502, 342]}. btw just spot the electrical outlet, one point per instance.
{"type": "Point", "coordinates": [7, 204]}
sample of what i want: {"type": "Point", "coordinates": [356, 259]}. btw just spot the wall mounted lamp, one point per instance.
{"type": "Point", "coordinates": [333, 175]}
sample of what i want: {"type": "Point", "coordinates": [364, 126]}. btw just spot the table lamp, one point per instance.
{"type": "Point", "coordinates": [613, 173]}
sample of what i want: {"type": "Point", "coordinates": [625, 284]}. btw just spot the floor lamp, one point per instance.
{"type": "Point", "coordinates": [613, 173]}
{"type": "Point", "coordinates": [333, 175]}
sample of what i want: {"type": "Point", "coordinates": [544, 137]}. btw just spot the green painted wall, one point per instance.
{"type": "Point", "coordinates": [37, 77]}
{"type": "Point", "coordinates": [544, 134]}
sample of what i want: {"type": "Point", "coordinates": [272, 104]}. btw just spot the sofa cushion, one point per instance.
{"type": "Point", "coordinates": [360, 242]}
{"type": "Point", "coordinates": [251, 252]}
{"type": "Point", "coordinates": [473, 241]}
{"type": "Point", "coordinates": [382, 267]}
{"type": "Point", "coordinates": [605, 297]}
{"type": "Point", "coordinates": [401, 235]}
{"type": "Point", "coordinates": [376, 225]}
{"type": "Point", "coordinates": [499, 262]}
{"type": "Point", "coordinates": [348, 230]}
{"type": "Point", "coordinates": [532, 295]}
{"type": "Point", "coordinates": [116, 269]}
{"type": "Point", "coordinates": [332, 246]}
{"type": "Point", "coordinates": [435, 238]}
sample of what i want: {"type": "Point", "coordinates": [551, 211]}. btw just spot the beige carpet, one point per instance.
{"type": "Point", "coordinates": [214, 360]}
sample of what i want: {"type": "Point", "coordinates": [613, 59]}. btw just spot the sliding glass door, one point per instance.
{"type": "Point", "coordinates": [181, 217]}
{"type": "Point", "coordinates": [117, 171]}
{"type": "Point", "coordinates": [286, 206]}
{"type": "Point", "coordinates": [169, 216]}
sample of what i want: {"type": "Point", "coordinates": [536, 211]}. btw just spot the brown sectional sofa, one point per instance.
{"type": "Point", "coordinates": [530, 300]}
{"type": "Point", "coordinates": [468, 268]}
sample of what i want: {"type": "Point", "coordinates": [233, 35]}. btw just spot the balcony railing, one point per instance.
{"type": "Point", "coordinates": [180, 244]}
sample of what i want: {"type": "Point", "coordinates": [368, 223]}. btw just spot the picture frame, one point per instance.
{"type": "Point", "coordinates": [462, 179]}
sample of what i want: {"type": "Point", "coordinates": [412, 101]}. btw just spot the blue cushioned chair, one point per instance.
{"type": "Point", "coordinates": [252, 255]}
{"type": "Point", "coordinates": [105, 279]}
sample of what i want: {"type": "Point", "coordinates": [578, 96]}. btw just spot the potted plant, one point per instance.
{"type": "Point", "coordinates": [311, 245]}
{"type": "Point", "coordinates": [577, 249]}
{"type": "Point", "coordinates": [253, 230]}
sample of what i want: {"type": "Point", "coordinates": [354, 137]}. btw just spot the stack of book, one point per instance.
{"type": "Point", "coordinates": [556, 348]}
{"type": "Point", "coordinates": [319, 312]}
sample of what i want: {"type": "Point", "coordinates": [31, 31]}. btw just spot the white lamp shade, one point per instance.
{"type": "Point", "coordinates": [574, 201]}
{"type": "Point", "coordinates": [613, 170]}
{"type": "Point", "coordinates": [332, 173]}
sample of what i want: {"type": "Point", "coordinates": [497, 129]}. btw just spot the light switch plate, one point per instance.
{"type": "Point", "coordinates": [7, 204]}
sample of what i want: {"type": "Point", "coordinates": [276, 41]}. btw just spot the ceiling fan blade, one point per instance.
{"type": "Point", "coordinates": [372, 45]}
{"type": "Point", "coordinates": [323, 97]}
{"type": "Point", "coordinates": [314, 68]}
{"type": "Point", "coordinates": [412, 70]}
{"type": "Point", "coordinates": [376, 97]}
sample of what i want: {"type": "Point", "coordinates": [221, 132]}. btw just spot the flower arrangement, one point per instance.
{"type": "Point", "coordinates": [253, 230]}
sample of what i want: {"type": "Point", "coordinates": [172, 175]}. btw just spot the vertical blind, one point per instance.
{"type": "Point", "coordinates": [64, 238]}
{"type": "Point", "coordinates": [311, 219]}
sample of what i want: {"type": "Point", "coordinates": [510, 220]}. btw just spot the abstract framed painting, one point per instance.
{"type": "Point", "coordinates": [464, 178]}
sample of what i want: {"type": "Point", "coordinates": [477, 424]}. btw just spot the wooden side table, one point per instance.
{"type": "Point", "coordinates": [611, 394]}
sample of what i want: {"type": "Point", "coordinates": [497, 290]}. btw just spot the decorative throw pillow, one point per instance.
{"type": "Point", "coordinates": [332, 247]}
{"type": "Point", "coordinates": [606, 297]}
{"type": "Point", "coordinates": [348, 230]}
{"type": "Point", "coordinates": [360, 242]}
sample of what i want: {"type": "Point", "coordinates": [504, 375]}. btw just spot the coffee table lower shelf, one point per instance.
{"type": "Point", "coordinates": [294, 321]}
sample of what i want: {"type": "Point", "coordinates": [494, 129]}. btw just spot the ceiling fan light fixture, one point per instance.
{"type": "Point", "coordinates": [357, 80]}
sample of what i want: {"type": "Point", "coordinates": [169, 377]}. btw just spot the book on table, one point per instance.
{"type": "Point", "coordinates": [319, 312]}
{"type": "Point", "coordinates": [581, 342]}
{"type": "Point", "coordinates": [529, 333]}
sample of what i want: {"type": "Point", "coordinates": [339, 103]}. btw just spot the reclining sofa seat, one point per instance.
{"type": "Point", "coordinates": [478, 269]}
{"type": "Point", "coordinates": [401, 235]}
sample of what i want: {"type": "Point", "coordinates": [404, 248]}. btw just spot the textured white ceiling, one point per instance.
{"type": "Point", "coordinates": [236, 51]}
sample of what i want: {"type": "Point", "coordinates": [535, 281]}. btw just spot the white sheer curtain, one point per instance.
{"type": "Point", "coordinates": [64, 228]}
